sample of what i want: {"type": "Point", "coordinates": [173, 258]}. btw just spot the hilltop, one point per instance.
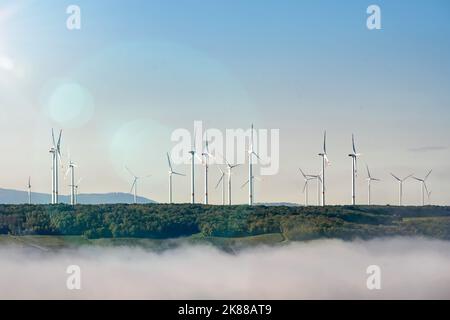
{"type": "Point", "coordinates": [125, 224]}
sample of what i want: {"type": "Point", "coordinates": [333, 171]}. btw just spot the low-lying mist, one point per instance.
{"type": "Point", "coordinates": [411, 268]}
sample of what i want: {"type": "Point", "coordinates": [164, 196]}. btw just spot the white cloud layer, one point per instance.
{"type": "Point", "coordinates": [329, 269]}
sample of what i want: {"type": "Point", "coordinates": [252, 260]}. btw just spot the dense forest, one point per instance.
{"type": "Point", "coordinates": [159, 221]}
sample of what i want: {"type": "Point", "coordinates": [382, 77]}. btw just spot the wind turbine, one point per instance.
{"type": "Point", "coordinates": [71, 169]}
{"type": "Point", "coordinates": [171, 173]}
{"type": "Point", "coordinates": [205, 161]}
{"type": "Point", "coordinates": [193, 153]}
{"type": "Point", "coordinates": [369, 181]}
{"type": "Point", "coordinates": [354, 155]}
{"type": "Point", "coordinates": [251, 153]}
{"type": "Point", "coordinates": [135, 183]}
{"type": "Point", "coordinates": [400, 187]}
{"type": "Point", "coordinates": [325, 162]}
{"type": "Point", "coordinates": [56, 160]}
{"type": "Point", "coordinates": [423, 185]}
{"type": "Point", "coordinates": [306, 178]}
{"type": "Point", "coordinates": [222, 179]}
{"type": "Point", "coordinates": [29, 190]}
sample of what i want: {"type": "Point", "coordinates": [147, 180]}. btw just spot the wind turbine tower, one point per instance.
{"type": "Point", "coordinates": [171, 173]}
{"type": "Point", "coordinates": [135, 183]}
{"type": "Point", "coordinates": [325, 162]}
{"type": "Point", "coordinates": [251, 153]}
{"type": "Point", "coordinates": [369, 181]}
{"type": "Point", "coordinates": [71, 169]}
{"type": "Point", "coordinates": [354, 155]}
{"type": "Point", "coordinates": [56, 160]}
{"type": "Point", "coordinates": [400, 187]}
{"type": "Point", "coordinates": [306, 178]}
{"type": "Point", "coordinates": [222, 180]}
{"type": "Point", "coordinates": [206, 155]}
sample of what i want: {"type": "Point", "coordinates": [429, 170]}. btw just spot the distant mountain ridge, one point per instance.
{"type": "Point", "coordinates": [9, 196]}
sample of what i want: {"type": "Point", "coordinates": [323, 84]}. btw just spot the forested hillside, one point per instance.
{"type": "Point", "coordinates": [158, 221]}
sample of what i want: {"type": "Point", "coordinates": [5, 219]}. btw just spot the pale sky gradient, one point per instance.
{"type": "Point", "coordinates": [137, 70]}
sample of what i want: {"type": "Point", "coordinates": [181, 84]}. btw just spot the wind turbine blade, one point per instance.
{"type": "Point", "coordinates": [59, 141]}
{"type": "Point", "coordinates": [53, 138]}
{"type": "Point", "coordinates": [220, 180]}
{"type": "Point", "coordinates": [395, 177]}
{"type": "Point", "coordinates": [368, 172]}
{"type": "Point", "coordinates": [426, 188]}
{"type": "Point", "coordinates": [304, 186]}
{"type": "Point", "coordinates": [251, 141]}
{"type": "Point", "coordinates": [353, 144]}
{"type": "Point", "coordinates": [325, 142]}
{"type": "Point", "coordinates": [304, 175]}
{"type": "Point", "coordinates": [328, 162]}
{"type": "Point", "coordinates": [406, 178]}
{"type": "Point", "coordinates": [257, 156]}
{"type": "Point", "coordinates": [246, 182]}
{"type": "Point", "coordinates": [428, 174]}
{"type": "Point", "coordinates": [178, 174]}
{"type": "Point", "coordinates": [129, 171]}
{"type": "Point", "coordinates": [134, 183]}
{"type": "Point", "coordinates": [169, 162]}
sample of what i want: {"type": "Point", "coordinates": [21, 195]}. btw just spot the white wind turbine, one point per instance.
{"type": "Point", "coordinates": [171, 173]}
{"type": "Point", "coordinates": [400, 187]}
{"type": "Point", "coordinates": [230, 167]}
{"type": "Point", "coordinates": [56, 160]}
{"type": "Point", "coordinates": [325, 162]}
{"type": "Point", "coordinates": [369, 181]}
{"type": "Point", "coordinates": [194, 155]}
{"type": "Point", "coordinates": [423, 185]}
{"type": "Point", "coordinates": [71, 169]}
{"type": "Point", "coordinates": [29, 190]}
{"type": "Point", "coordinates": [319, 184]}
{"type": "Point", "coordinates": [229, 173]}
{"type": "Point", "coordinates": [251, 153]}
{"type": "Point", "coordinates": [306, 178]}
{"type": "Point", "coordinates": [135, 183]}
{"type": "Point", "coordinates": [354, 155]}
{"type": "Point", "coordinates": [222, 180]}
{"type": "Point", "coordinates": [205, 161]}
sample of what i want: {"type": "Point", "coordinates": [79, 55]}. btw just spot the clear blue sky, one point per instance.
{"type": "Point", "coordinates": [145, 68]}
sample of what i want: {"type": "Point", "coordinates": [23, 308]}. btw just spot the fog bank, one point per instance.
{"type": "Point", "coordinates": [325, 269]}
